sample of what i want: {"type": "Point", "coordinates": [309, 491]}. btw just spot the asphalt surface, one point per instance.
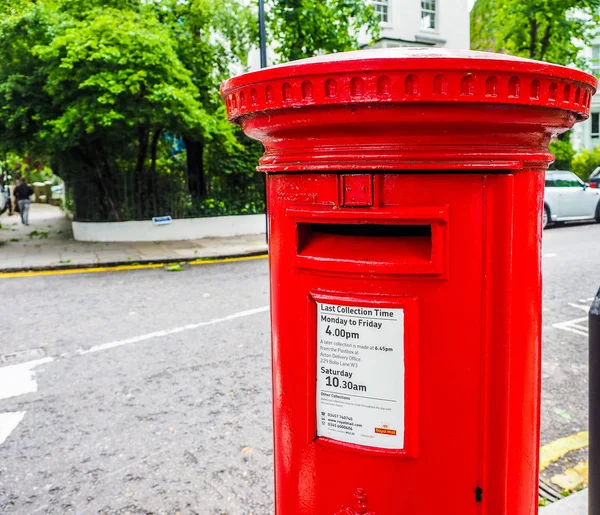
{"type": "Point", "coordinates": [157, 399]}
{"type": "Point", "coordinates": [571, 266]}
{"type": "Point", "coordinates": [571, 279]}
{"type": "Point", "coordinates": [173, 423]}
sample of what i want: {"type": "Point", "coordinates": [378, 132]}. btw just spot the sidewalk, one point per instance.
{"type": "Point", "coordinates": [48, 243]}
{"type": "Point", "coordinates": [575, 504]}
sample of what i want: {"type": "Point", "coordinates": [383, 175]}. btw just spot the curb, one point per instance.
{"type": "Point", "coordinates": [142, 263]}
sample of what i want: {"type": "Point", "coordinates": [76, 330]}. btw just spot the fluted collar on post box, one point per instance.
{"type": "Point", "coordinates": [408, 108]}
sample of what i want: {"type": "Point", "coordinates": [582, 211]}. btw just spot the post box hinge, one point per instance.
{"type": "Point", "coordinates": [478, 494]}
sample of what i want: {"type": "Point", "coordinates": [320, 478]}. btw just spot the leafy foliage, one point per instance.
{"type": "Point", "coordinates": [563, 152]}
{"type": "Point", "coordinates": [104, 88]}
{"type": "Point", "coordinates": [546, 30]}
{"type": "Point", "coordinates": [115, 71]}
{"type": "Point", "coordinates": [211, 37]}
{"type": "Point", "coordinates": [121, 97]}
{"type": "Point", "coordinates": [585, 162]}
{"type": "Point", "coordinates": [303, 28]}
{"type": "Point", "coordinates": [33, 171]}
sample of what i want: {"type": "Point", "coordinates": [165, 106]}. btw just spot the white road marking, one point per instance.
{"type": "Point", "coordinates": [19, 379]}
{"type": "Point", "coordinates": [585, 307]}
{"type": "Point", "coordinates": [574, 326]}
{"type": "Point", "coordinates": [166, 332]}
{"type": "Point", "coordinates": [8, 423]}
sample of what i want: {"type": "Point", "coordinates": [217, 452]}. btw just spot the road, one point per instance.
{"type": "Point", "coordinates": [148, 391]}
{"type": "Point", "coordinates": [173, 415]}
{"type": "Point", "coordinates": [571, 279]}
{"type": "Point", "coordinates": [571, 266]}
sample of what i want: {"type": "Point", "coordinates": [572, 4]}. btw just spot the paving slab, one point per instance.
{"type": "Point", "coordinates": [47, 243]}
{"type": "Point", "coordinates": [575, 504]}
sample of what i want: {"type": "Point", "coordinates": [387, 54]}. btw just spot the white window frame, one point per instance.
{"type": "Point", "coordinates": [596, 115]}
{"type": "Point", "coordinates": [433, 12]}
{"type": "Point", "coordinates": [381, 7]}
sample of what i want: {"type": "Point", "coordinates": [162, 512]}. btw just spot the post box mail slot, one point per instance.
{"type": "Point", "coordinates": [405, 241]}
{"type": "Point", "coordinates": [405, 193]}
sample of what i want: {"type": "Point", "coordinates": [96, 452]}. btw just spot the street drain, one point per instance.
{"type": "Point", "coordinates": [548, 493]}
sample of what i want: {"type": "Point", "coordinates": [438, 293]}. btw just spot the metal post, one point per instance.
{"type": "Point", "coordinates": [262, 33]}
{"type": "Point", "coordinates": [594, 477]}
{"type": "Point", "coordinates": [262, 42]}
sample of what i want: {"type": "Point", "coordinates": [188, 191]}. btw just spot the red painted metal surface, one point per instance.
{"type": "Point", "coordinates": [450, 148]}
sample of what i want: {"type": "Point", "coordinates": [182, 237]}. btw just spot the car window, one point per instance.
{"type": "Point", "coordinates": [550, 182]}
{"type": "Point", "coordinates": [568, 180]}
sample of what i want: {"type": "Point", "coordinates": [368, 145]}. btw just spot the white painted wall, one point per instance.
{"type": "Point", "coordinates": [456, 25]}
{"type": "Point", "coordinates": [404, 25]}
{"type": "Point", "coordinates": [582, 132]}
{"type": "Point", "coordinates": [183, 229]}
{"type": "Point", "coordinates": [452, 29]}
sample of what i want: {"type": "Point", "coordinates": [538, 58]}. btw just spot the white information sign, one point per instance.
{"type": "Point", "coordinates": [360, 375]}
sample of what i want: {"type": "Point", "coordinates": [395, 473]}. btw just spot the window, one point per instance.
{"type": "Point", "coordinates": [428, 18]}
{"type": "Point", "coordinates": [381, 8]}
{"type": "Point", "coordinates": [595, 62]}
{"type": "Point", "coordinates": [550, 182]}
{"type": "Point", "coordinates": [595, 125]}
{"type": "Point", "coordinates": [568, 180]}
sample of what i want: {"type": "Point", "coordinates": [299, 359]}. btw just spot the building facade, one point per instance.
{"type": "Point", "coordinates": [587, 134]}
{"type": "Point", "coordinates": [426, 23]}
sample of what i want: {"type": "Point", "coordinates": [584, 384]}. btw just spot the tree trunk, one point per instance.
{"type": "Point", "coordinates": [84, 196]}
{"type": "Point", "coordinates": [154, 148]}
{"type": "Point", "coordinates": [112, 207]}
{"type": "Point", "coordinates": [195, 168]}
{"type": "Point", "coordinates": [545, 41]}
{"type": "Point", "coordinates": [142, 149]}
{"type": "Point", "coordinates": [141, 185]}
{"type": "Point", "coordinates": [153, 152]}
{"type": "Point", "coordinates": [105, 177]}
{"type": "Point", "coordinates": [533, 29]}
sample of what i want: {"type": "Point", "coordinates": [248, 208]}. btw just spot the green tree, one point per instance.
{"type": "Point", "coordinates": [546, 30]}
{"type": "Point", "coordinates": [116, 73]}
{"type": "Point", "coordinates": [212, 39]}
{"type": "Point", "coordinates": [95, 93]}
{"type": "Point", "coordinates": [121, 96]}
{"type": "Point", "coordinates": [585, 162]}
{"type": "Point", "coordinates": [107, 88]}
{"type": "Point", "coordinates": [303, 28]}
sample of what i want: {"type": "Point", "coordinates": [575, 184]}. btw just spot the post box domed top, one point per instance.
{"type": "Point", "coordinates": [408, 108]}
{"type": "Point", "coordinates": [409, 75]}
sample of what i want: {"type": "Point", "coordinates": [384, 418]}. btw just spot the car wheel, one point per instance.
{"type": "Point", "coordinates": [598, 212]}
{"type": "Point", "coordinates": [545, 217]}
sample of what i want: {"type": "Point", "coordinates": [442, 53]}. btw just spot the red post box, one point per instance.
{"type": "Point", "coordinates": [405, 192]}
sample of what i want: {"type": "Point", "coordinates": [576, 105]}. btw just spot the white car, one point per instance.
{"type": "Point", "coordinates": [567, 198]}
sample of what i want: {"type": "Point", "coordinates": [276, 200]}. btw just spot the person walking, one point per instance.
{"type": "Point", "coordinates": [22, 193]}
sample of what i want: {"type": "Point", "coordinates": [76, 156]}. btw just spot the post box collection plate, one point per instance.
{"type": "Point", "coordinates": [360, 376]}
{"type": "Point", "coordinates": [405, 191]}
